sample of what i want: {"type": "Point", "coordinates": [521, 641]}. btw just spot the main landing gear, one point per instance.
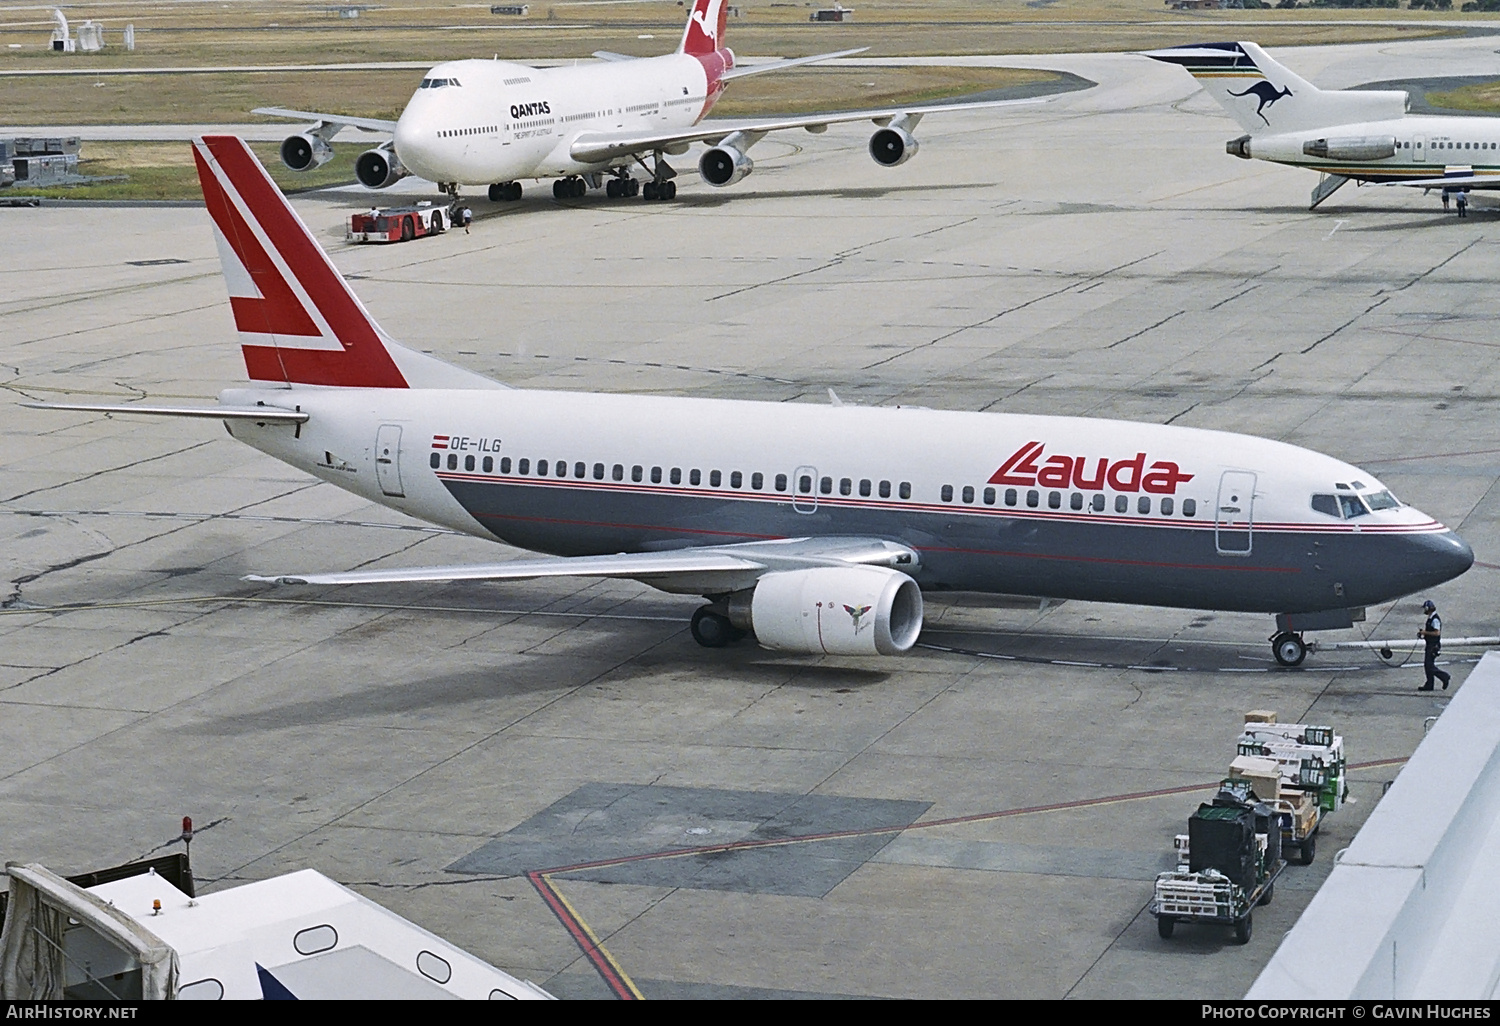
{"type": "Point", "coordinates": [622, 186]}
{"type": "Point", "coordinates": [1289, 648]}
{"type": "Point", "coordinates": [572, 187]}
{"type": "Point", "coordinates": [505, 192]}
{"type": "Point", "coordinates": [712, 629]}
{"type": "Point", "coordinates": [660, 190]}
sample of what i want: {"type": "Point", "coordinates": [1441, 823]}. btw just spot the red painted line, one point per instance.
{"type": "Point", "coordinates": [580, 936]}
{"type": "Point", "coordinates": [611, 977]}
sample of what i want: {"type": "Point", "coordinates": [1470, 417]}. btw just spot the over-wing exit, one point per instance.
{"type": "Point", "coordinates": [814, 528]}
{"type": "Point", "coordinates": [494, 123]}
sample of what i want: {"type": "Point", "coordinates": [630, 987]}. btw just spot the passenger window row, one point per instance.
{"type": "Point", "coordinates": [675, 475]}
{"type": "Point", "coordinates": [1076, 501]}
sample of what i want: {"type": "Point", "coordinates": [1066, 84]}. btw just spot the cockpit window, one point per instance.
{"type": "Point", "coordinates": [1327, 504]}
{"type": "Point", "coordinates": [437, 83]}
{"type": "Point", "coordinates": [1352, 507]}
{"type": "Point", "coordinates": [1382, 499]}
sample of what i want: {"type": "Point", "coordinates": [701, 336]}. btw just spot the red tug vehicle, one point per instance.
{"type": "Point", "coordinates": [396, 224]}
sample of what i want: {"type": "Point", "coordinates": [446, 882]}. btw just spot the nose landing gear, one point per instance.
{"type": "Point", "coordinates": [1289, 648]}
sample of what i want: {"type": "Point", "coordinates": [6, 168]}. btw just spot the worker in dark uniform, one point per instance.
{"type": "Point", "coordinates": [1463, 202]}
{"type": "Point", "coordinates": [1432, 633]}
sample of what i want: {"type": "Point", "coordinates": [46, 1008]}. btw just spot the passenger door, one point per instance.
{"type": "Point", "coordinates": [1419, 148]}
{"type": "Point", "coordinates": [388, 460]}
{"type": "Point", "coordinates": [1234, 513]}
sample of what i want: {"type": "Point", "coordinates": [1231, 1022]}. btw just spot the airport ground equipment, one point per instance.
{"type": "Point", "coordinates": [396, 224]}
{"type": "Point", "coordinates": [1227, 865]}
{"type": "Point", "coordinates": [1312, 773]}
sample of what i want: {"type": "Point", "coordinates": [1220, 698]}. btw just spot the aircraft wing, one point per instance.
{"type": "Point", "coordinates": [790, 62]}
{"type": "Point", "coordinates": [609, 56]}
{"type": "Point", "coordinates": [368, 124]}
{"type": "Point", "coordinates": [704, 570]}
{"type": "Point", "coordinates": [1456, 181]}
{"type": "Point", "coordinates": [592, 147]}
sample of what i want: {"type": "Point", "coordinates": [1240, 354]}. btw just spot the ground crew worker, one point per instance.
{"type": "Point", "coordinates": [1445, 200]}
{"type": "Point", "coordinates": [466, 216]}
{"type": "Point", "coordinates": [1432, 633]}
{"type": "Point", "coordinates": [1463, 202]}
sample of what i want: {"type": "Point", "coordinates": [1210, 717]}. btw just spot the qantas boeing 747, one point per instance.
{"type": "Point", "coordinates": [816, 528]}
{"type": "Point", "coordinates": [494, 123]}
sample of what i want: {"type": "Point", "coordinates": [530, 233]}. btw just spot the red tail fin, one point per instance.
{"type": "Point", "coordinates": [298, 321]}
{"type": "Point", "coordinates": [705, 27]}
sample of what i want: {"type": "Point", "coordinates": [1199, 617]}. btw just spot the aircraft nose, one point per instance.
{"type": "Point", "coordinates": [413, 145]}
{"type": "Point", "coordinates": [1438, 557]}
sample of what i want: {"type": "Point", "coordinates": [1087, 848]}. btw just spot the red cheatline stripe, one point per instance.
{"type": "Point", "coordinates": [602, 964]}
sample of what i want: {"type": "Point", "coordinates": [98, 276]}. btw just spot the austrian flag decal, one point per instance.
{"type": "Point", "coordinates": [1026, 467]}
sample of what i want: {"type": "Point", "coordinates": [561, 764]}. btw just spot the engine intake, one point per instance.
{"type": "Point", "coordinates": [379, 168]}
{"type": "Point", "coordinates": [892, 146]}
{"type": "Point", "coordinates": [305, 152]}
{"type": "Point", "coordinates": [724, 165]}
{"type": "Point", "coordinates": [1360, 147]}
{"type": "Point", "coordinates": [837, 610]}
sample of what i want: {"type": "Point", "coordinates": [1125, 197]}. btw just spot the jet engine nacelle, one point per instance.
{"type": "Point", "coordinates": [892, 146]}
{"type": "Point", "coordinates": [379, 168]}
{"type": "Point", "coordinates": [838, 610]}
{"type": "Point", "coordinates": [1359, 147]}
{"type": "Point", "coordinates": [724, 165]}
{"type": "Point", "coordinates": [305, 152]}
{"type": "Point", "coordinates": [1239, 147]}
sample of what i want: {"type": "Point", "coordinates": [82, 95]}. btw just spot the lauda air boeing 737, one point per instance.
{"type": "Point", "coordinates": [1347, 134]}
{"type": "Point", "coordinates": [493, 123]}
{"type": "Point", "coordinates": [816, 528]}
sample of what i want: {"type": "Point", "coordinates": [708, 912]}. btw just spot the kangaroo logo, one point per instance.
{"type": "Point", "coordinates": [1266, 93]}
{"type": "Point", "coordinates": [709, 22]}
{"type": "Point", "coordinates": [857, 613]}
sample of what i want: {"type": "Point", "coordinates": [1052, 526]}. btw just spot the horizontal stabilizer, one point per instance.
{"type": "Point", "coordinates": [262, 414]}
{"type": "Point", "coordinates": [744, 71]}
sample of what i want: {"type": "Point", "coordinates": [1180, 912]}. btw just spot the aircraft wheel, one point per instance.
{"type": "Point", "coordinates": [612, 188]}
{"type": "Point", "coordinates": [1289, 649]}
{"type": "Point", "coordinates": [497, 192]}
{"type": "Point", "coordinates": [711, 630]}
{"type": "Point", "coordinates": [513, 191]}
{"type": "Point", "coordinates": [1243, 928]}
{"type": "Point", "coordinates": [649, 192]}
{"type": "Point", "coordinates": [1164, 926]}
{"type": "Point", "coordinates": [669, 190]}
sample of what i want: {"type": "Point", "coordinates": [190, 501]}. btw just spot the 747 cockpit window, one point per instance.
{"type": "Point", "coordinates": [437, 83]}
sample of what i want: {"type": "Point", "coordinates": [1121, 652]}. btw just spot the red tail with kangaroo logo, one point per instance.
{"type": "Point", "coordinates": [705, 28]}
